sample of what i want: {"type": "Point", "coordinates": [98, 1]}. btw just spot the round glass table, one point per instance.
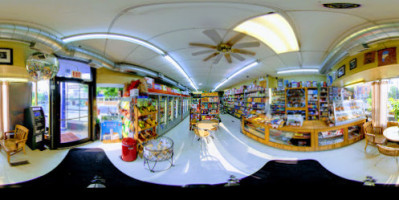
{"type": "Point", "coordinates": [158, 154]}
{"type": "Point", "coordinates": [392, 133]}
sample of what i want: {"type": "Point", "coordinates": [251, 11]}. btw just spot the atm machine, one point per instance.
{"type": "Point", "coordinates": [35, 122]}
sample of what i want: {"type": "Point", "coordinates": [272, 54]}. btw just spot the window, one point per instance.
{"type": "Point", "coordinates": [393, 98]}
{"type": "Point", "coordinates": [43, 97]}
{"type": "Point", "coordinates": [69, 68]}
{"type": "Point", "coordinates": [108, 97]}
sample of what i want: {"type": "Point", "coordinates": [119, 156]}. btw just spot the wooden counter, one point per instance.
{"type": "Point", "coordinates": [314, 135]}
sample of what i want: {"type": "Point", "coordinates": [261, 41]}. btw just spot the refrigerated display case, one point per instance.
{"type": "Point", "coordinates": [162, 124]}
{"type": "Point", "coordinates": [170, 109]}
{"type": "Point", "coordinates": [347, 111]}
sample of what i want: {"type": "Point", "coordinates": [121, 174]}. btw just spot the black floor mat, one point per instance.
{"type": "Point", "coordinates": [79, 168]}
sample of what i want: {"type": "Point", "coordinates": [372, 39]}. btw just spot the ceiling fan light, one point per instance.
{"type": "Point", "coordinates": [273, 30]}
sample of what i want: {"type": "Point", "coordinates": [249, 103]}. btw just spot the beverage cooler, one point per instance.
{"type": "Point", "coordinates": [171, 111]}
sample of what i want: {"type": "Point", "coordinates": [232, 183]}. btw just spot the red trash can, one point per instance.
{"type": "Point", "coordinates": [129, 149]}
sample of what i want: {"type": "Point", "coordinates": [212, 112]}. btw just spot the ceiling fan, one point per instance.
{"type": "Point", "coordinates": [229, 48]}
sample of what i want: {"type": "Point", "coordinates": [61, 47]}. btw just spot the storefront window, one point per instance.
{"type": "Point", "coordinates": [74, 69]}
{"type": "Point", "coordinates": [363, 92]}
{"type": "Point", "coordinates": [43, 97]}
{"type": "Point", "coordinates": [108, 101]}
{"type": "Point", "coordinates": [393, 98]}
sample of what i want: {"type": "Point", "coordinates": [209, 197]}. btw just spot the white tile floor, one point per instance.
{"type": "Point", "coordinates": [229, 153]}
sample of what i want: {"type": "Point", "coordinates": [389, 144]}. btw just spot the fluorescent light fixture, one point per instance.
{"type": "Point", "coordinates": [354, 84]}
{"type": "Point", "coordinates": [236, 73]}
{"type": "Point", "coordinates": [180, 69]}
{"type": "Point", "coordinates": [14, 79]}
{"type": "Point", "coordinates": [273, 30]}
{"type": "Point", "coordinates": [297, 71]}
{"type": "Point", "coordinates": [89, 36]}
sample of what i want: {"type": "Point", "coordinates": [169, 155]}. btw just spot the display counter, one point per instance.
{"type": "Point", "coordinates": [314, 135]}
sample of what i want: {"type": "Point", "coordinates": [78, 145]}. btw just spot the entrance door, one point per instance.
{"type": "Point", "coordinates": [72, 113]}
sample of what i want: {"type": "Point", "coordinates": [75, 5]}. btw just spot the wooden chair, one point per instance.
{"type": "Point", "coordinates": [389, 150]}
{"type": "Point", "coordinates": [14, 141]}
{"type": "Point", "coordinates": [373, 137]}
{"type": "Point", "coordinates": [389, 124]}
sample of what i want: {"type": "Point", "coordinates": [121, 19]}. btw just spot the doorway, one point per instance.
{"type": "Point", "coordinates": [72, 108]}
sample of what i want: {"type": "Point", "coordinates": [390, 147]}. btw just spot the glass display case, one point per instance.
{"type": "Point", "coordinates": [331, 137]}
{"type": "Point", "coordinates": [289, 138]}
{"type": "Point", "coordinates": [347, 111]}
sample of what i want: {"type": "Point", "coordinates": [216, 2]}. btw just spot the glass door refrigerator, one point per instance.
{"type": "Point", "coordinates": [162, 123]}
{"type": "Point", "coordinates": [170, 111]}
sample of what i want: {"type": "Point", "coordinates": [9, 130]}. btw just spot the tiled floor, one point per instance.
{"type": "Point", "coordinates": [229, 153]}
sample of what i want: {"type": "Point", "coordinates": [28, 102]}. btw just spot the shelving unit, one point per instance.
{"type": "Point", "coordinates": [126, 114]}
{"type": "Point", "coordinates": [278, 102]}
{"type": "Point", "coordinates": [312, 104]}
{"type": "Point", "coordinates": [296, 101]}
{"type": "Point", "coordinates": [323, 104]}
{"type": "Point", "coordinates": [209, 106]}
{"type": "Point", "coordinates": [254, 101]}
{"type": "Point", "coordinates": [195, 114]}
{"type": "Point", "coordinates": [145, 125]}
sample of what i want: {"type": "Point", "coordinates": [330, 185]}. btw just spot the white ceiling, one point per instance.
{"type": "Point", "coordinates": [172, 25]}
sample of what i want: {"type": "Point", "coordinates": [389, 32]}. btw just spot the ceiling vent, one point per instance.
{"type": "Point", "coordinates": [341, 5]}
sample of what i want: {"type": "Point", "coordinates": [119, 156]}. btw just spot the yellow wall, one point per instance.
{"type": "Point", "coordinates": [21, 52]}
{"type": "Point", "coordinates": [361, 67]}
{"type": "Point", "coordinates": [105, 75]}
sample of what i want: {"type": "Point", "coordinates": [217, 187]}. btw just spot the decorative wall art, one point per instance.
{"type": "Point", "coordinates": [341, 71]}
{"type": "Point", "coordinates": [369, 57]}
{"type": "Point", "coordinates": [387, 56]}
{"type": "Point", "coordinates": [6, 56]}
{"type": "Point", "coordinates": [353, 64]}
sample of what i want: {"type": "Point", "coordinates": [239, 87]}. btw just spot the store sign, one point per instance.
{"type": "Point", "coordinates": [76, 74]}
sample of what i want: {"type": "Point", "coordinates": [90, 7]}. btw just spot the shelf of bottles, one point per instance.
{"type": "Point", "coordinates": [278, 102]}
{"type": "Point", "coordinates": [209, 106]}
{"type": "Point", "coordinates": [313, 104]}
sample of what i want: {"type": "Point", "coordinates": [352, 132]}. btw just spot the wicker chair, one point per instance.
{"type": "Point", "coordinates": [14, 143]}
{"type": "Point", "coordinates": [389, 124]}
{"type": "Point", "coordinates": [373, 137]}
{"type": "Point", "coordinates": [389, 150]}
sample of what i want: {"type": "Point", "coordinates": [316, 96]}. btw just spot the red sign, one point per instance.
{"type": "Point", "coordinates": [76, 74]}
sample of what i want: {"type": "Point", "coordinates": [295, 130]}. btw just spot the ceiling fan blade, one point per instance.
{"type": "Point", "coordinates": [211, 56]}
{"type": "Point", "coordinates": [202, 52]}
{"type": "Point", "coordinates": [203, 45]}
{"type": "Point", "coordinates": [242, 51]}
{"type": "Point", "coordinates": [238, 56]}
{"type": "Point", "coordinates": [213, 35]}
{"type": "Point", "coordinates": [235, 39]}
{"type": "Point", "coordinates": [228, 57]}
{"type": "Point", "coordinates": [247, 45]}
{"type": "Point", "coordinates": [217, 59]}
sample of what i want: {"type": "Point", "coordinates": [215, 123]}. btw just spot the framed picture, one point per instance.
{"type": "Point", "coordinates": [341, 71]}
{"type": "Point", "coordinates": [6, 56]}
{"type": "Point", "coordinates": [387, 56]}
{"type": "Point", "coordinates": [369, 57]}
{"type": "Point", "coordinates": [353, 64]}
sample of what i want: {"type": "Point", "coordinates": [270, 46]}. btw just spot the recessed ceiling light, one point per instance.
{"type": "Point", "coordinates": [341, 5]}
